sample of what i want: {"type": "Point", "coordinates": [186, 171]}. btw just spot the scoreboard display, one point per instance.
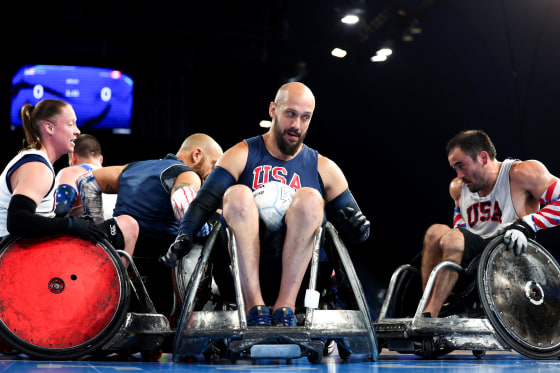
{"type": "Point", "coordinates": [102, 98]}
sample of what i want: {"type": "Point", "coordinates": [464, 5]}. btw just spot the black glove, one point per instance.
{"type": "Point", "coordinates": [86, 229]}
{"type": "Point", "coordinates": [360, 226]}
{"type": "Point", "coordinates": [515, 236]}
{"type": "Point", "coordinates": [178, 249]}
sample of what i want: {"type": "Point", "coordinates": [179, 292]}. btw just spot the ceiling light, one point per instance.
{"type": "Point", "coordinates": [265, 124]}
{"type": "Point", "coordinates": [350, 19]}
{"type": "Point", "coordinates": [378, 58]}
{"type": "Point", "coordinates": [384, 52]}
{"type": "Point", "coordinates": [340, 53]}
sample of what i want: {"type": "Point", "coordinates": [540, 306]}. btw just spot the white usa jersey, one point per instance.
{"type": "Point", "coordinates": [485, 215]}
{"type": "Point", "coordinates": [45, 208]}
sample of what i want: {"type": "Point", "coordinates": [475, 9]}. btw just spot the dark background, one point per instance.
{"type": "Point", "coordinates": [214, 66]}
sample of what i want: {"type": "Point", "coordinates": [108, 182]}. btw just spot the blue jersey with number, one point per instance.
{"type": "Point", "coordinates": [145, 194]}
{"type": "Point", "coordinates": [262, 167]}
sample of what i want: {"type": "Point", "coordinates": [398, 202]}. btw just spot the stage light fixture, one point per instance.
{"type": "Point", "coordinates": [338, 52]}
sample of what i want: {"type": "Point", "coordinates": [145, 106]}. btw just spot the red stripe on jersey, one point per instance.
{"type": "Point", "coordinates": [549, 215]}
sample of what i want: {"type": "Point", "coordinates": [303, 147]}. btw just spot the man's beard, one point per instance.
{"type": "Point", "coordinates": [285, 147]}
{"type": "Point", "coordinates": [474, 186]}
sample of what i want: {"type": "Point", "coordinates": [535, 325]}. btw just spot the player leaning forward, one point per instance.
{"type": "Point", "coordinates": [278, 155]}
{"type": "Point", "coordinates": [491, 198]}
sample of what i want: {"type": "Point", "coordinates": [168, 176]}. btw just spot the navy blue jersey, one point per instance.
{"type": "Point", "coordinates": [145, 194]}
{"type": "Point", "coordinates": [262, 167]}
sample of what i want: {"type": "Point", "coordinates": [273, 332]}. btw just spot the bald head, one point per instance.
{"type": "Point", "coordinates": [200, 152]}
{"type": "Point", "coordinates": [202, 141]}
{"type": "Point", "coordinates": [294, 90]}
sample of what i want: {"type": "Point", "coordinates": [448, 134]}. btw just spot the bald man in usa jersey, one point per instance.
{"type": "Point", "coordinates": [278, 155]}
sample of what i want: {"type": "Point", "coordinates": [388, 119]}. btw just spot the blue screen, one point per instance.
{"type": "Point", "coordinates": [102, 98]}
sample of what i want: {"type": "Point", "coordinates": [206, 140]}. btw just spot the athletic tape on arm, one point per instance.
{"type": "Point", "coordinates": [91, 196]}
{"type": "Point", "coordinates": [180, 201]}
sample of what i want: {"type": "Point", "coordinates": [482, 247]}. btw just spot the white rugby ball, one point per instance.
{"type": "Point", "coordinates": [272, 200]}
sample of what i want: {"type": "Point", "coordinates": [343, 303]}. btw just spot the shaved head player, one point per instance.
{"type": "Point", "coordinates": [278, 155]}
{"type": "Point", "coordinates": [156, 193]}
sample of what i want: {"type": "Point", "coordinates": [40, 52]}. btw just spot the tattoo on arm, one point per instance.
{"type": "Point", "coordinates": [179, 185]}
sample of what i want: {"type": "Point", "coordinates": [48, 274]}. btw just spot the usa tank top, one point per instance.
{"type": "Point", "coordinates": [262, 167]}
{"type": "Point", "coordinates": [485, 215]}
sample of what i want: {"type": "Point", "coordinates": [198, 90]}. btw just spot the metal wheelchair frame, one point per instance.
{"type": "Point", "coordinates": [198, 330]}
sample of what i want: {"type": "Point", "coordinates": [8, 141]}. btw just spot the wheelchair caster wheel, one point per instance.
{"type": "Point", "coordinates": [315, 357]}
{"type": "Point", "coordinates": [479, 353]}
{"type": "Point", "coordinates": [428, 348]}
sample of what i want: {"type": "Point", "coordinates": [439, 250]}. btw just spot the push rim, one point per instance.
{"type": "Point", "coordinates": [521, 297]}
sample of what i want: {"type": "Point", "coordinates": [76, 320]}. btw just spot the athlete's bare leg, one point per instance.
{"type": "Point", "coordinates": [129, 228]}
{"type": "Point", "coordinates": [441, 243]}
{"type": "Point", "coordinates": [303, 218]}
{"type": "Point", "coordinates": [242, 216]}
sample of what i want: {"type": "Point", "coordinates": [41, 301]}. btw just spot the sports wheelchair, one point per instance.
{"type": "Point", "coordinates": [517, 306]}
{"type": "Point", "coordinates": [214, 327]}
{"type": "Point", "coordinates": [62, 297]}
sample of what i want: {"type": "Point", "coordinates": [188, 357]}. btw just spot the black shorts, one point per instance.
{"type": "Point", "coordinates": [474, 246]}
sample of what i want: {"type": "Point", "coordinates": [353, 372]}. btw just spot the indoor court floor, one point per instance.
{"type": "Point", "coordinates": [456, 362]}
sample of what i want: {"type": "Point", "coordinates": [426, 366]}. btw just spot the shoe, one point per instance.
{"type": "Point", "coordinates": [284, 317]}
{"type": "Point", "coordinates": [259, 316]}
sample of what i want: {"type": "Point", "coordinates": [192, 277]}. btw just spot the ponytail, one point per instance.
{"type": "Point", "coordinates": [32, 139]}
